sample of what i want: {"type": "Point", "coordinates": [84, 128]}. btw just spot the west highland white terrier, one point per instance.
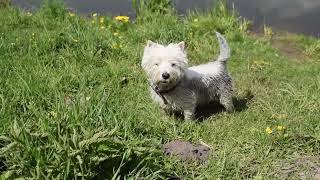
{"type": "Point", "coordinates": [179, 88]}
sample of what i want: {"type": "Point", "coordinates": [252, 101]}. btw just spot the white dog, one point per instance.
{"type": "Point", "coordinates": [175, 87]}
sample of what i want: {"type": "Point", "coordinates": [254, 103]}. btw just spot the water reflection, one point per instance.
{"type": "Point", "coordinates": [106, 7]}
{"type": "Point", "coordinates": [299, 16]}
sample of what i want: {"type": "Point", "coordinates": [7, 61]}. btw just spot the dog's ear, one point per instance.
{"type": "Point", "coordinates": [181, 45]}
{"type": "Point", "coordinates": [151, 44]}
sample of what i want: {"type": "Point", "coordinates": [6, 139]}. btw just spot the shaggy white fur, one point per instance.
{"type": "Point", "coordinates": [175, 87]}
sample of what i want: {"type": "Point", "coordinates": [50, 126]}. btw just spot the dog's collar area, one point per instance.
{"type": "Point", "coordinates": [161, 93]}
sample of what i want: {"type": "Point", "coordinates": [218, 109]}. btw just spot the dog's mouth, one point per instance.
{"type": "Point", "coordinates": [163, 82]}
{"type": "Point", "coordinates": [162, 85]}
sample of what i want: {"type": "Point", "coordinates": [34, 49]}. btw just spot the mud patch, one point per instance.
{"type": "Point", "coordinates": [300, 167]}
{"type": "Point", "coordinates": [285, 43]}
{"type": "Point", "coordinates": [186, 151]}
{"type": "Point", "coordinates": [288, 48]}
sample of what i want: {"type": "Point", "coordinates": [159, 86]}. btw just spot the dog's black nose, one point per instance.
{"type": "Point", "coordinates": [165, 75]}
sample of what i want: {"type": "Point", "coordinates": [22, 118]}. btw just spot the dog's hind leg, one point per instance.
{"type": "Point", "coordinates": [226, 100]}
{"type": "Point", "coordinates": [189, 114]}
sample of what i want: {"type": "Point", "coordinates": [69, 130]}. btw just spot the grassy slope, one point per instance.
{"type": "Point", "coordinates": [74, 103]}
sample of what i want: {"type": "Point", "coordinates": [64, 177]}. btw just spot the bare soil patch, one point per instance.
{"type": "Point", "coordinates": [301, 167]}
{"type": "Point", "coordinates": [186, 151]}
{"type": "Point", "coordinates": [287, 46]}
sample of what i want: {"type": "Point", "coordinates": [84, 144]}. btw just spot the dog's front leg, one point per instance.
{"type": "Point", "coordinates": [168, 110]}
{"type": "Point", "coordinates": [189, 114]}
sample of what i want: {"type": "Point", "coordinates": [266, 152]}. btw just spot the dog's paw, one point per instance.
{"type": "Point", "coordinates": [188, 115]}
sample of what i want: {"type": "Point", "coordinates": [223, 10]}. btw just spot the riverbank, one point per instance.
{"type": "Point", "coordinates": [74, 101]}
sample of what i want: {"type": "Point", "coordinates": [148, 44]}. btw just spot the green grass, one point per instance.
{"type": "Point", "coordinates": [74, 101]}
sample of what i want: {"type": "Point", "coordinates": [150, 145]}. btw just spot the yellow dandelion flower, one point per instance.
{"type": "Point", "coordinates": [120, 37]}
{"type": "Point", "coordinates": [122, 18]}
{"type": "Point", "coordinates": [29, 14]}
{"type": "Point", "coordinates": [33, 34]}
{"type": "Point", "coordinates": [102, 27]}
{"type": "Point", "coordinates": [269, 130]}
{"type": "Point", "coordinates": [93, 21]}
{"type": "Point", "coordinates": [52, 114]}
{"type": "Point", "coordinates": [71, 14]}
{"type": "Point", "coordinates": [120, 46]}
{"type": "Point", "coordinates": [115, 34]}
{"type": "Point", "coordinates": [281, 128]}
{"type": "Point", "coordinates": [114, 46]}
{"type": "Point", "coordinates": [196, 20]}
{"type": "Point", "coordinates": [94, 14]}
{"type": "Point", "coordinates": [102, 20]}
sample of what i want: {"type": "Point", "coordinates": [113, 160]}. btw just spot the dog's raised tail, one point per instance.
{"type": "Point", "coordinates": [224, 48]}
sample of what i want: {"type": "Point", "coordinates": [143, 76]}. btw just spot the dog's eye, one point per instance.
{"type": "Point", "coordinates": [156, 64]}
{"type": "Point", "coordinates": [173, 64]}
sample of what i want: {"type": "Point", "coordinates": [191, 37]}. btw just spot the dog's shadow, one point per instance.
{"type": "Point", "coordinates": [204, 112]}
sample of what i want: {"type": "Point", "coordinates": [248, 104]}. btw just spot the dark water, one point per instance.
{"type": "Point", "coordinates": [297, 16]}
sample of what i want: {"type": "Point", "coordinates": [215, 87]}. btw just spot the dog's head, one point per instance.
{"type": "Point", "coordinates": [164, 65]}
